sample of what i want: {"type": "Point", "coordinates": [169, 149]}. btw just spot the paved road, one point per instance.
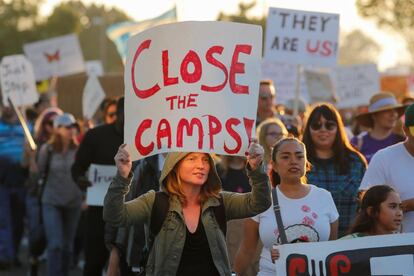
{"type": "Point", "coordinates": [23, 270]}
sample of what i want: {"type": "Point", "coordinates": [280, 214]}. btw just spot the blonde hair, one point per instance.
{"type": "Point", "coordinates": [262, 132]}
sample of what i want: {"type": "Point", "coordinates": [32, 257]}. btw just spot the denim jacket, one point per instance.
{"type": "Point", "coordinates": [165, 255]}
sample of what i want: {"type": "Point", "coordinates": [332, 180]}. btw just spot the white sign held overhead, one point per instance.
{"type": "Point", "coordinates": [192, 86]}
{"type": "Point", "coordinates": [302, 37]}
{"type": "Point", "coordinates": [320, 87]}
{"type": "Point", "coordinates": [17, 81]}
{"type": "Point", "coordinates": [372, 255]}
{"type": "Point", "coordinates": [58, 56]}
{"type": "Point", "coordinates": [94, 67]}
{"type": "Point", "coordinates": [93, 95]}
{"type": "Point", "coordinates": [100, 176]}
{"type": "Point", "coordinates": [356, 84]}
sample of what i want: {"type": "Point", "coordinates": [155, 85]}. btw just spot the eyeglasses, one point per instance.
{"type": "Point", "coordinates": [112, 114]}
{"type": "Point", "coordinates": [274, 134]}
{"type": "Point", "coordinates": [328, 125]}
{"type": "Point", "coordinates": [266, 96]}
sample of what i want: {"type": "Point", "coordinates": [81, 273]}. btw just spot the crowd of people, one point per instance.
{"type": "Point", "coordinates": [331, 181]}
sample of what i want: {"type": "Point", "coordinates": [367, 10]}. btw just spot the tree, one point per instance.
{"type": "Point", "coordinates": [242, 17]}
{"type": "Point", "coordinates": [356, 47]}
{"type": "Point", "coordinates": [397, 15]}
{"type": "Point", "coordinates": [17, 19]}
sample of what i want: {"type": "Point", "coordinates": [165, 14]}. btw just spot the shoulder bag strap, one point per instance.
{"type": "Point", "coordinates": [276, 209]}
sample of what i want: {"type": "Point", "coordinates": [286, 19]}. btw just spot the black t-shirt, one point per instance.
{"type": "Point", "coordinates": [196, 258]}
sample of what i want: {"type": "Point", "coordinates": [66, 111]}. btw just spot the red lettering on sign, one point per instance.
{"type": "Point", "coordinates": [214, 126]}
{"type": "Point", "coordinates": [193, 58]}
{"type": "Point", "coordinates": [164, 131]}
{"type": "Point", "coordinates": [213, 61]}
{"type": "Point", "coordinates": [233, 133]}
{"type": "Point", "coordinates": [238, 68]}
{"type": "Point", "coordinates": [143, 94]}
{"type": "Point", "coordinates": [339, 263]}
{"type": "Point", "coordinates": [143, 150]}
{"type": "Point", "coordinates": [189, 126]}
{"type": "Point", "coordinates": [165, 62]}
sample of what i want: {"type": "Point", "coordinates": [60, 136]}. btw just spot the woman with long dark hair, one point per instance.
{"type": "Point", "coordinates": [336, 165]}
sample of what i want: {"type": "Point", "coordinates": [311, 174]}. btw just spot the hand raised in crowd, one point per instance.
{"type": "Point", "coordinates": [255, 154]}
{"type": "Point", "coordinates": [123, 161]}
{"type": "Point", "coordinates": [274, 253]}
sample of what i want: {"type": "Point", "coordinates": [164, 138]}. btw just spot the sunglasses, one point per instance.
{"type": "Point", "coordinates": [48, 123]}
{"type": "Point", "coordinates": [328, 125]}
{"type": "Point", "coordinates": [68, 127]}
{"type": "Point", "coordinates": [274, 134]}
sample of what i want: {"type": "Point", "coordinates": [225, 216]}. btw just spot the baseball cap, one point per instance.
{"type": "Point", "coordinates": [66, 119]}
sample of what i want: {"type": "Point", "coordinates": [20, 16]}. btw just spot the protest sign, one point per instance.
{"type": "Point", "coordinates": [356, 84]}
{"type": "Point", "coordinates": [94, 67]}
{"type": "Point", "coordinates": [17, 81]}
{"type": "Point", "coordinates": [373, 255]}
{"type": "Point", "coordinates": [93, 95]}
{"type": "Point", "coordinates": [284, 78]}
{"type": "Point", "coordinates": [58, 56]}
{"type": "Point", "coordinates": [100, 176]}
{"type": "Point", "coordinates": [302, 37]}
{"type": "Point", "coordinates": [320, 87]}
{"type": "Point", "coordinates": [192, 86]}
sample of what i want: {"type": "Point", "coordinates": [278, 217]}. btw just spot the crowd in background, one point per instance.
{"type": "Point", "coordinates": [42, 192]}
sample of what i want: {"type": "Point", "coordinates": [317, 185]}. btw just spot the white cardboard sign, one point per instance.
{"type": "Point", "coordinates": [192, 86]}
{"type": "Point", "coordinates": [94, 67]}
{"type": "Point", "coordinates": [320, 86]}
{"type": "Point", "coordinates": [373, 255]}
{"type": "Point", "coordinates": [17, 81]}
{"type": "Point", "coordinates": [356, 84]}
{"type": "Point", "coordinates": [58, 56]}
{"type": "Point", "coordinates": [100, 176]}
{"type": "Point", "coordinates": [302, 37]}
{"type": "Point", "coordinates": [93, 95]}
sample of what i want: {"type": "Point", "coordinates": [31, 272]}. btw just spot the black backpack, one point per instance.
{"type": "Point", "coordinates": [159, 213]}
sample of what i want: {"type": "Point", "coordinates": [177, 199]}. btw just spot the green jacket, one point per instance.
{"type": "Point", "coordinates": [165, 255]}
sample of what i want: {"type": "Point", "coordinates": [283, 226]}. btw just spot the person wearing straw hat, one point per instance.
{"type": "Point", "coordinates": [381, 118]}
{"type": "Point", "coordinates": [394, 166]}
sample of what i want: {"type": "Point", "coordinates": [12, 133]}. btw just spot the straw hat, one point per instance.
{"type": "Point", "coordinates": [379, 102]}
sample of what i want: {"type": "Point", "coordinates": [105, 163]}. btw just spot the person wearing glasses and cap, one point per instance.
{"type": "Point", "coordinates": [394, 166]}
{"type": "Point", "coordinates": [336, 165]}
{"type": "Point", "coordinates": [381, 118]}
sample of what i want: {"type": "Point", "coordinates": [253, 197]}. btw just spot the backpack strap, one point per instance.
{"type": "Point", "coordinates": [158, 214]}
{"type": "Point", "coordinates": [220, 214]}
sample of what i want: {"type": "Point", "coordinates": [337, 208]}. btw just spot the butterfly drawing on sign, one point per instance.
{"type": "Point", "coordinates": [52, 57]}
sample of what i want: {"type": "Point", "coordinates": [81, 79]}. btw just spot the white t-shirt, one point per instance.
{"type": "Point", "coordinates": [393, 166]}
{"type": "Point", "coordinates": [307, 218]}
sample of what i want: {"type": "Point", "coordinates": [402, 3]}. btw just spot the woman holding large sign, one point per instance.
{"type": "Point", "coordinates": [308, 213]}
{"type": "Point", "coordinates": [191, 240]}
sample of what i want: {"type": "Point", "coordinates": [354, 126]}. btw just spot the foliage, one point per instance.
{"type": "Point", "coordinates": [395, 14]}
{"type": "Point", "coordinates": [20, 23]}
{"type": "Point", "coordinates": [357, 48]}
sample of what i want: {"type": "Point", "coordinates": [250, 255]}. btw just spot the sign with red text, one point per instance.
{"type": "Point", "coordinates": [17, 81]}
{"type": "Point", "coordinates": [58, 56]}
{"type": "Point", "coordinates": [100, 176]}
{"type": "Point", "coordinates": [373, 255]}
{"type": "Point", "coordinates": [192, 86]}
{"type": "Point", "coordinates": [302, 37]}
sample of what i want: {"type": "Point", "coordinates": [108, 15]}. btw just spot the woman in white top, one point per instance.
{"type": "Point", "coordinates": [308, 212]}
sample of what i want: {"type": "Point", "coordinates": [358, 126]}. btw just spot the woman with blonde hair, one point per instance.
{"type": "Point", "coordinates": [190, 241]}
{"type": "Point", "coordinates": [268, 132]}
